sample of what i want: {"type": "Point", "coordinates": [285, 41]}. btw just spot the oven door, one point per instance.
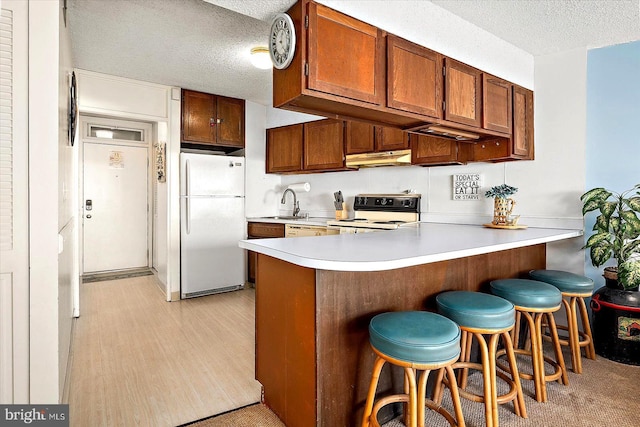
{"type": "Point", "coordinates": [336, 229]}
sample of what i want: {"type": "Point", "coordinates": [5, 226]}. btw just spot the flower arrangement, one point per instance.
{"type": "Point", "coordinates": [502, 191]}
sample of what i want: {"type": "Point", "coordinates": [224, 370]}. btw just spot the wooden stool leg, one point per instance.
{"type": "Point", "coordinates": [518, 404]}
{"type": "Point", "coordinates": [493, 346]}
{"type": "Point", "coordinates": [515, 332]}
{"type": "Point", "coordinates": [535, 356]}
{"type": "Point", "coordinates": [486, 376]}
{"type": "Point", "coordinates": [375, 376]}
{"type": "Point", "coordinates": [590, 351]}
{"type": "Point", "coordinates": [557, 349]}
{"type": "Point", "coordinates": [465, 356]}
{"type": "Point", "coordinates": [574, 337]}
{"type": "Point", "coordinates": [455, 396]}
{"type": "Point", "coordinates": [438, 388]}
{"type": "Point", "coordinates": [406, 410]}
{"type": "Point", "coordinates": [422, 395]}
{"type": "Point", "coordinates": [413, 404]}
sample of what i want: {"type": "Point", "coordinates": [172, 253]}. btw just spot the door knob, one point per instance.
{"type": "Point", "coordinates": [89, 216]}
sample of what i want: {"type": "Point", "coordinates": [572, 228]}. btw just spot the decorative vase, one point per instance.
{"type": "Point", "coordinates": [502, 208]}
{"type": "Point", "coordinates": [616, 324]}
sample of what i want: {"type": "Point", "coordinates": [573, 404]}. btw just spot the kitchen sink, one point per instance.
{"type": "Point", "coordinates": [286, 217]}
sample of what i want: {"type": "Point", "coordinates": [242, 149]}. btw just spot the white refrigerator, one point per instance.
{"type": "Point", "coordinates": [211, 224]}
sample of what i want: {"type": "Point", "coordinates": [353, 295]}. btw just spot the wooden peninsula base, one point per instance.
{"type": "Point", "coordinates": [312, 350]}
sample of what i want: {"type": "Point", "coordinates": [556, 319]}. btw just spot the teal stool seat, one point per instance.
{"type": "Point", "coordinates": [415, 336]}
{"type": "Point", "coordinates": [574, 289]}
{"type": "Point", "coordinates": [476, 310]}
{"type": "Point", "coordinates": [486, 319]}
{"type": "Point", "coordinates": [419, 342]}
{"type": "Point", "coordinates": [535, 301]}
{"type": "Point", "coordinates": [564, 281]}
{"type": "Point", "coordinates": [527, 293]}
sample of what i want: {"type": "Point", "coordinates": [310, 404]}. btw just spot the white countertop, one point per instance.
{"type": "Point", "coordinates": [409, 245]}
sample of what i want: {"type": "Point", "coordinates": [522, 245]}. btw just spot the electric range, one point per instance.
{"type": "Point", "coordinates": [376, 212]}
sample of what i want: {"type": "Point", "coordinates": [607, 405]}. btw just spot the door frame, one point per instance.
{"type": "Point", "coordinates": [148, 141]}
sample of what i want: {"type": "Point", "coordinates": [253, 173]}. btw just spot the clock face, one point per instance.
{"type": "Point", "coordinates": [282, 44]}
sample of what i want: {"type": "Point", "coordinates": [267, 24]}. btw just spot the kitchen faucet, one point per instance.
{"type": "Point", "coordinates": [296, 204]}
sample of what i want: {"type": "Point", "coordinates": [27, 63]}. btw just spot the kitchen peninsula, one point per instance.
{"type": "Point", "coordinates": [316, 295]}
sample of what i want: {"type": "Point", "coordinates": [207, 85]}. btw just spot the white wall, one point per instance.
{"type": "Point", "coordinates": [560, 136]}
{"type": "Point", "coordinates": [68, 266]}
{"type": "Point", "coordinates": [45, 308]}
{"type": "Point", "coordinates": [260, 189]}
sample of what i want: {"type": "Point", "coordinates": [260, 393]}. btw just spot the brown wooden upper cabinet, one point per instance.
{"type": "Point", "coordinates": [309, 147]}
{"type": "Point", "coordinates": [366, 138]}
{"type": "Point", "coordinates": [212, 120]}
{"type": "Point", "coordinates": [323, 145]}
{"type": "Point", "coordinates": [346, 69]}
{"type": "Point", "coordinates": [284, 149]}
{"type": "Point", "coordinates": [522, 136]}
{"type": "Point", "coordinates": [427, 150]}
{"type": "Point", "coordinates": [496, 104]}
{"type": "Point", "coordinates": [463, 93]}
{"type": "Point", "coordinates": [345, 56]}
{"type": "Point", "coordinates": [520, 145]}
{"type": "Point", "coordinates": [414, 78]}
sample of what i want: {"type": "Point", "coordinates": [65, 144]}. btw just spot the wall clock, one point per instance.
{"type": "Point", "coordinates": [282, 41]}
{"type": "Point", "coordinates": [73, 109]}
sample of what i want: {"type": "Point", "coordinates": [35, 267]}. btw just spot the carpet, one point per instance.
{"type": "Point", "coordinates": [606, 394]}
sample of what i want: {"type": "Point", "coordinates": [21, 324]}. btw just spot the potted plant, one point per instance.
{"type": "Point", "coordinates": [502, 203]}
{"type": "Point", "coordinates": [616, 233]}
{"type": "Point", "coordinates": [616, 306]}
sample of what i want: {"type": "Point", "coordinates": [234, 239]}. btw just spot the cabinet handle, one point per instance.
{"type": "Point", "coordinates": [212, 122]}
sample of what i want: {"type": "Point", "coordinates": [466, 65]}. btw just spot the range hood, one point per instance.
{"type": "Point", "coordinates": [385, 158]}
{"type": "Point", "coordinates": [447, 132]}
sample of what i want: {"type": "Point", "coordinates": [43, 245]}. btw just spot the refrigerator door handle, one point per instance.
{"type": "Point", "coordinates": [187, 200]}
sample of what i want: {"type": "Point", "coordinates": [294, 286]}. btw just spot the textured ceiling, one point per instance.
{"type": "Point", "coordinates": [547, 26]}
{"type": "Point", "coordinates": [186, 43]}
{"type": "Point", "coordinates": [204, 45]}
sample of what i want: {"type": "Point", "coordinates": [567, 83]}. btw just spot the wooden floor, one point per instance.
{"type": "Point", "coordinates": [139, 360]}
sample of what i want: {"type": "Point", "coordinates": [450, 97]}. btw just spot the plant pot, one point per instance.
{"type": "Point", "coordinates": [616, 324]}
{"type": "Point", "coordinates": [502, 208]}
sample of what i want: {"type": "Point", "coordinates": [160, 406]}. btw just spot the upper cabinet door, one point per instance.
{"type": "Point", "coordinates": [463, 93]}
{"type": "Point", "coordinates": [324, 145]}
{"type": "Point", "coordinates": [430, 150]}
{"type": "Point", "coordinates": [391, 139]}
{"type": "Point", "coordinates": [230, 121]}
{"type": "Point", "coordinates": [345, 56]}
{"type": "Point", "coordinates": [414, 78]}
{"type": "Point", "coordinates": [284, 149]}
{"type": "Point", "coordinates": [198, 117]}
{"type": "Point", "coordinates": [360, 138]}
{"type": "Point", "coordinates": [522, 137]}
{"type": "Point", "coordinates": [496, 104]}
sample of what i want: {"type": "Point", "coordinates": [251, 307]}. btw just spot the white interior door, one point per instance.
{"type": "Point", "coordinates": [115, 232]}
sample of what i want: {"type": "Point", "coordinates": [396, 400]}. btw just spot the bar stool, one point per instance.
{"type": "Point", "coordinates": [478, 315]}
{"type": "Point", "coordinates": [413, 340]}
{"type": "Point", "coordinates": [574, 289]}
{"type": "Point", "coordinates": [534, 300]}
